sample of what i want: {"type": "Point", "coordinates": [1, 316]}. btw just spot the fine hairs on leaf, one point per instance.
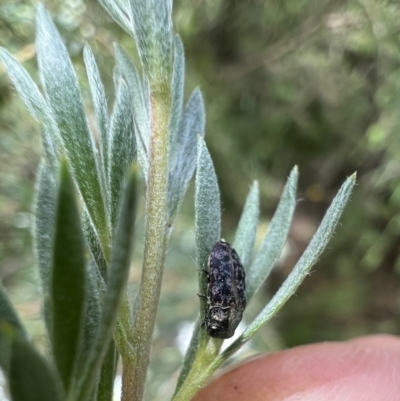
{"type": "Point", "coordinates": [99, 103]}
{"type": "Point", "coordinates": [64, 97]}
{"type": "Point", "coordinates": [117, 10]}
{"type": "Point", "coordinates": [247, 228]}
{"type": "Point", "coordinates": [140, 107]}
{"type": "Point", "coordinates": [117, 279]}
{"type": "Point", "coordinates": [303, 266]}
{"type": "Point", "coordinates": [183, 156]}
{"type": "Point", "coordinates": [152, 27]}
{"type": "Point", "coordinates": [94, 245]}
{"type": "Point", "coordinates": [43, 233]}
{"type": "Point", "coordinates": [207, 210]}
{"type": "Point", "coordinates": [68, 281]}
{"type": "Point", "coordinates": [91, 315]}
{"type": "Point", "coordinates": [36, 105]}
{"type": "Point", "coordinates": [45, 209]}
{"type": "Point", "coordinates": [274, 240]}
{"type": "Point", "coordinates": [122, 147]}
{"type": "Point", "coordinates": [178, 86]}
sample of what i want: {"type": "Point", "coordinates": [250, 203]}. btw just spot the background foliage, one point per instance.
{"type": "Point", "coordinates": [312, 83]}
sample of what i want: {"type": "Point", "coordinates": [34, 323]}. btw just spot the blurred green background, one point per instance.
{"type": "Point", "coordinates": [313, 83]}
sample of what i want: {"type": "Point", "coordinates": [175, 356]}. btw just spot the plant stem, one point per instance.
{"type": "Point", "coordinates": [128, 383]}
{"type": "Point", "coordinates": [202, 368]}
{"type": "Point", "coordinates": [155, 245]}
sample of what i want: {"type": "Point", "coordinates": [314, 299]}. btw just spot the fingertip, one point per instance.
{"type": "Point", "coordinates": [384, 341]}
{"type": "Point", "coordinates": [365, 369]}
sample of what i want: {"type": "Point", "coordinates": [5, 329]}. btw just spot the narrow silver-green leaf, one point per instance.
{"type": "Point", "coordinates": [91, 317]}
{"type": "Point", "coordinates": [8, 314]}
{"type": "Point", "coordinates": [273, 242]}
{"type": "Point", "coordinates": [44, 229]}
{"type": "Point", "coordinates": [207, 211]}
{"type": "Point", "coordinates": [99, 103]}
{"type": "Point", "coordinates": [118, 14]}
{"type": "Point", "coordinates": [24, 85]}
{"type": "Point", "coordinates": [35, 103]}
{"type": "Point", "coordinates": [117, 279]}
{"type": "Point", "coordinates": [62, 89]}
{"type": "Point", "coordinates": [122, 147]}
{"type": "Point", "coordinates": [302, 268]}
{"type": "Point", "coordinates": [29, 376]}
{"type": "Point", "coordinates": [67, 280]}
{"type": "Point", "coordinates": [183, 158]}
{"type": "Point", "coordinates": [141, 107]}
{"type": "Point", "coordinates": [247, 228]}
{"type": "Point", "coordinates": [45, 210]}
{"type": "Point", "coordinates": [178, 84]}
{"type": "Point", "coordinates": [153, 34]}
{"type": "Point", "coordinates": [94, 244]}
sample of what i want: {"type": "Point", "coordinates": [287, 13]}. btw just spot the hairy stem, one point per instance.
{"type": "Point", "coordinates": [155, 244]}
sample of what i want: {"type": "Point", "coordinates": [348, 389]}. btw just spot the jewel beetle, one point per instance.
{"type": "Point", "coordinates": [225, 291]}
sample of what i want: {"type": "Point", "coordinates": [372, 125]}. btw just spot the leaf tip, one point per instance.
{"type": "Point", "coordinates": [295, 171]}
{"type": "Point", "coordinates": [178, 40]}
{"type": "Point", "coordinates": [198, 96]}
{"type": "Point", "coordinates": [293, 177]}
{"type": "Point", "coordinates": [255, 188]}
